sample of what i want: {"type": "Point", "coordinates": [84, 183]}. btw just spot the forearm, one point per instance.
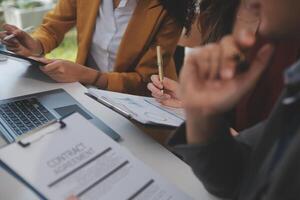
{"type": "Point", "coordinates": [125, 82]}
{"type": "Point", "coordinates": [219, 161]}
{"type": "Point", "coordinates": [216, 157]}
{"type": "Point", "coordinates": [201, 128]}
{"type": "Point", "coordinates": [38, 50]}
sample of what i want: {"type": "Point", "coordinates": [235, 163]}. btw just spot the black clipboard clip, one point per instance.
{"type": "Point", "coordinates": [27, 144]}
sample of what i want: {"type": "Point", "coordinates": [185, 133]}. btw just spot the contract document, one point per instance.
{"type": "Point", "coordinates": [142, 109]}
{"type": "Point", "coordinates": [77, 159]}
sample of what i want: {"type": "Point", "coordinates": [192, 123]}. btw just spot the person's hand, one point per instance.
{"type": "Point", "coordinates": [22, 44]}
{"type": "Point", "coordinates": [66, 72]}
{"type": "Point", "coordinates": [211, 86]}
{"type": "Point", "coordinates": [168, 96]}
{"type": "Point", "coordinates": [209, 80]}
{"type": "Point", "coordinates": [72, 198]}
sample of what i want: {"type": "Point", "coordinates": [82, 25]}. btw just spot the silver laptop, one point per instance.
{"type": "Point", "coordinates": [21, 114]}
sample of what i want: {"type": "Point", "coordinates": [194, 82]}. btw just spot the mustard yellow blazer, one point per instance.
{"type": "Point", "coordinates": [149, 26]}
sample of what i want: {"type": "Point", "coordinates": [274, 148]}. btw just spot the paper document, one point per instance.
{"type": "Point", "coordinates": [142, 109]}
{"type": "Point", "coordinates": [81, 160]}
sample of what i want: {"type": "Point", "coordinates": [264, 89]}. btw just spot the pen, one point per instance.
{"type": "Point", "coordinates": [28, 29]}
{"type": "Point", "coordinates": [160, 64]}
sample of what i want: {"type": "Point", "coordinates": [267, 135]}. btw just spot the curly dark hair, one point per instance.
{"type": "Point", "coordinates": [184, 11]}
{"type": "Point", "coordinates": [217, 18]}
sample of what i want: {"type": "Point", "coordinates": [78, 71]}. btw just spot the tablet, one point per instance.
{"type": "Point", "coordinates": [30, 60]}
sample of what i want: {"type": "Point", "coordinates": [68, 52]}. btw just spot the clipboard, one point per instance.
{"type": "Point", "coordinates": [23, 58]}
{"type": "Point", "coordinates": [138, 108]}
{"type": "Point", "coordinates": [22, 180]}
{"type": "Point", "coordinates": [26, 145]}
{"type": "Point", "coordinates": [111, 106]}
{"type": "Point", "coordinates": [70, 162]}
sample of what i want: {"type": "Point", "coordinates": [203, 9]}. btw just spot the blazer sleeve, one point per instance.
{"type": "Point", "coordinates": [55, 24]}
{"type": "Point", "coordinates": [135, 82]}
{"type": "Point", "coordinates": [220, 163]}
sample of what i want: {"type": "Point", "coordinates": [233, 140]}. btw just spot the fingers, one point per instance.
{"type": "Point", "coordinates": [43, 60]}
{"type": "Point", "coordinates": [263, 57]}
{"type": "Point", "coordinates": [12, 45]}
{"type": "Point", "coordinates": [233, 48]}
{"type": "Point", "coordinates": [157, 93]}
{"type": "Point", "coordinates": [3, 34]}
{"type": "Point", "coordinates": [9, 27]}
{"type": "Point", "coordinates": [156, 82]}
{"type": "Point", "coordinates": [258, 66]}
{"type": "Point", "coordinates": [153, 88]}
{"type": "Point", "coordinates": [13, 30]}
{"type": "Point", "coordinates": [190, 69]}
{"type": "Point", "coordinates": [170, 85]}
{"type": "Point", "coordinates": [214, 61]}
{"type": "Point", "coordinates": [167, 84]}
{"type": "Point", "coordinates": [161, 97]}
{"type": "Point", "coordinates": [207, 61]}
{"type": "Point", "coordinates": [72, 198]}
{"type": "Point", "coordinates": [52, 68]}
{"type": "Point", "coordinates": [245, 40]}
{"type": "Point", "coordinates": [215, 58]}
{"type": "Point", "coordinates": [228, 62]}
{"type": "Point", "coordinates": [203, 62]}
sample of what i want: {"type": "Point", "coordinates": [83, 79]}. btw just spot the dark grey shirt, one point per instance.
{"type": "Point", "coordinates": [256, 164]}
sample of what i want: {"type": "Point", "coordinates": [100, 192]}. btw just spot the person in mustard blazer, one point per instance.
{"type": "Point", "coordinates": [117, 41]}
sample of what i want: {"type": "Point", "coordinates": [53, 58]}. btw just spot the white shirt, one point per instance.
{"type": "Point", "coordinates": [110, 27]}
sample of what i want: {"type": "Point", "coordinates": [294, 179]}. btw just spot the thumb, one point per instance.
{"type": "Point", "coordinates": [245, 40]}
{"type": "Point", "coordinates": [259, 64]}
{"type": "Point", "coordinates": [50, 67]}
{"type": "Point", "coordinates": [43, 60]}
{"type": "Point", "coordinates": [10, 28]}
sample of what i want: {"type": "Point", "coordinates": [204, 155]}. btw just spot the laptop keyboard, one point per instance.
{"type": "Point", "coordinates": [24, 115]}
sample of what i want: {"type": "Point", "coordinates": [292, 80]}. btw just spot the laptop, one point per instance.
{"type": "Point", "coordinates": [20, 115]}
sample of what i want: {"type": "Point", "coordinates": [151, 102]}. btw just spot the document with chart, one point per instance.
{"type": "Point", "coordinates": [142, 109]}
{"type": "Point", "coordinates": [78, 159]}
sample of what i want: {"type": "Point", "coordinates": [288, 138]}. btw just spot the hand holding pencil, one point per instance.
{"type": "Point", "coordinates": [20, 42]}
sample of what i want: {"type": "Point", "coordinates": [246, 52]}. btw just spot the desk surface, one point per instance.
{"type": "Point", "coordinates": [17, 79]}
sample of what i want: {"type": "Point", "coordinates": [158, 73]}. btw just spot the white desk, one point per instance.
{"type": "Point", "coordinates": [18, 79]}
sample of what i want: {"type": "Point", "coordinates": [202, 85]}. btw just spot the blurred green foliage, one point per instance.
{"type": "Point", "coordinates": [29, 5]}
{"type": "Point", "coordinates": [67, 50]}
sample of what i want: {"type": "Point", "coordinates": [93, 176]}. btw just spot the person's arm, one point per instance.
{"type": "Point", "coordinates": [135, 82]}
{"type": "Point", "coordinates": [56, 24]}
{"type": "Point", "coordinates": [211, 86]}
{"type": "Point", "coordinates": [220, 162]}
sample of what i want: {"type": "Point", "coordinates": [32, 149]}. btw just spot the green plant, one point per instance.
{"type": "Point", "coordinates": [29, 5]}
